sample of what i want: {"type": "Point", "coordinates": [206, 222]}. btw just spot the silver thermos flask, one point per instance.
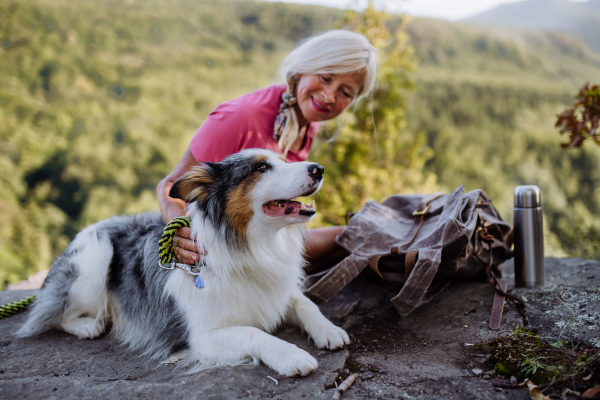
{"type": "Point", "coordinates": [529, 237]}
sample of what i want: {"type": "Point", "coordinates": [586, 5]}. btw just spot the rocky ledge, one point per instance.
{"type": "Point", "coordinates": [427, 355]}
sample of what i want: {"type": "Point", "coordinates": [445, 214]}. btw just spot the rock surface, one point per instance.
{"type": "Point", "coordinates": [423, 356]}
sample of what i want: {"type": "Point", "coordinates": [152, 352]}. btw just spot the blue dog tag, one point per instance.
{"type": "Point", "coordinates": [199, 282]}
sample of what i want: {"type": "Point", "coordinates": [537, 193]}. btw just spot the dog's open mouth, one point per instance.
{"type": "Point", "coordinates": [292, 207]}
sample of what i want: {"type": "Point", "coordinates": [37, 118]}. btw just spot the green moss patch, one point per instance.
{"type": "Point", "coordinates": [558, 365]}
{"type": "Point", "coordinates": [502, 370]}
{"type": "Point", "coordinates": [352, 366]}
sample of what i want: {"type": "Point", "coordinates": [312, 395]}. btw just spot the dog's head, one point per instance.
{"type": "Point", "coordinates": [252, 187]}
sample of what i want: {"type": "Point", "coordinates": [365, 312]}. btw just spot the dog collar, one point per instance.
{"type": "Point", "coordinates": [167, 260]}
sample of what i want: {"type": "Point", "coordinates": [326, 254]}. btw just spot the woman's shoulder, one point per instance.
{"type": "Point", "coordinates": [261, 102]}
{"type": "Point", "coordinates": [269, 95]}
{"type": "Point", "coordinates": [245, 122]}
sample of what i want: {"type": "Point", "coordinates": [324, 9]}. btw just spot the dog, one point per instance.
{"type": "Point", "coordinates": [244, 213]}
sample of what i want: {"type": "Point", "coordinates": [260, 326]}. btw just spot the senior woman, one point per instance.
{"type": "Point", "coordinates": [323, 76]}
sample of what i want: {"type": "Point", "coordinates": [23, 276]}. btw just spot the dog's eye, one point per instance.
{"type": "Point", "coordinates": [262, 167]}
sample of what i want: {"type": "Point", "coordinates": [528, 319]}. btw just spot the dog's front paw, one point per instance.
{"type": "Point", "coordinates": [83, 328]}
{"type": "Point", "coordinates": [296, 362]}
{"type": "Point", "coordinates": [330, 337]}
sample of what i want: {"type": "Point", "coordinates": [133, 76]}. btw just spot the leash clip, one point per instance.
{"type": "Point", "coordinates": [192, 270]}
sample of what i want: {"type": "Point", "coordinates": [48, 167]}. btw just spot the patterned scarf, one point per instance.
{"type": "Point", "coordinates": [288, 101]}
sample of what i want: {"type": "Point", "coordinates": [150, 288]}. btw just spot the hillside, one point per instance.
{"type": "Point", "coordinates": [487, 99]}
{"type": "Point", "coordinates": [99, 100]}
{"type": "Point", "coordinates": [582, 19]}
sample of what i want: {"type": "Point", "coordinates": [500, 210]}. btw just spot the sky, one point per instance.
{"type": "Point", "coordinates": [452, 10]}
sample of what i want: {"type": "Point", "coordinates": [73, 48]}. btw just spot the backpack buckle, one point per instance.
{"type": "Point", "coordinates": [418, 212]}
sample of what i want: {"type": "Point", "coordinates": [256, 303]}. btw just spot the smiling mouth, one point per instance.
{"type": "Point", "coordinates": [291, 207]}
{"type": "Point", "coordinates": [318, 106]}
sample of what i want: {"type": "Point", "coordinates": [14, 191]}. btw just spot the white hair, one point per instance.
{"type": "Point", "coordinates": [332, 52]}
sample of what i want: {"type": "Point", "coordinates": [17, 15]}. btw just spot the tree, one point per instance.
{"type": "Point", "coordinates": [581, 121]}
{"type": "Point", "coordinates": [580, 234]}
{"type": "Point", "coordinates": [372, 154]}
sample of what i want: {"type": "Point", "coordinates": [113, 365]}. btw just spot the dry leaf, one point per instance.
{"type": "Point", "coordinates": [582, 121]}
{"type": "Point", "coordinates": [588, 394]}
{"type": "Point", "coordinates": [534, 393]}
{"type": "Point", "coordinates": [524, 382]}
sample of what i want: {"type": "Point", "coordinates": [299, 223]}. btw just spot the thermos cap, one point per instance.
{"type": "Point", "coordinates": [528, 196]}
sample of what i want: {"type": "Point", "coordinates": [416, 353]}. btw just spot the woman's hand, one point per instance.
{"type": "Point", "coordinates": [186, 249]}
{"type": "Point", "coordinates": [322, 251]}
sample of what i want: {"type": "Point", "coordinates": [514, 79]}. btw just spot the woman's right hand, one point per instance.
{"type": "Point", "coordinates": [186, 249]}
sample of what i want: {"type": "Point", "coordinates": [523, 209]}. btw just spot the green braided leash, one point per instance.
{"type": "Point", "coordinates": [16, 307]}
{"type": "Point", "coordinates": [166, 241]}
{"type": "Point", "coordinates": [166, 256]}
{"type": "Point", "coordinates": [168, 260]}
{"type": "Point", "coordinates": [165, 251]}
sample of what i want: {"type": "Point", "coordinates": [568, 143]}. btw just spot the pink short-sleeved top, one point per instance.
{"type": "Point", "coordinates": [245, 123]}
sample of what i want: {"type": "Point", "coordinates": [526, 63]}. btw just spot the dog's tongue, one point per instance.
{"type": "Point", "coordinates": [278, 208]}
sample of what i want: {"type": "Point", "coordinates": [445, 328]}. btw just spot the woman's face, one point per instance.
{"type": "Point", "coordinates": [324, 96]}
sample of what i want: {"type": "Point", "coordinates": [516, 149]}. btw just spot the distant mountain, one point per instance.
{"type": "Point", "coordinates": [582, 19]}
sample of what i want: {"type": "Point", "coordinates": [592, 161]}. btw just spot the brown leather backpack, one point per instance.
{"type": "Point", "coordinates": [425, 242]}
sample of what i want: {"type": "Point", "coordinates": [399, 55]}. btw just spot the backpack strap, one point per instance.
{"type": "Point", "coordinates": [388, 276]}
{"type": "Point", "coordinates": [499, 286]}
{"type": "Point", "coordinates": [374, 265]}
{"type": "Point", "coordinates": [498, 307]}
{"type": "Point", "coordinates": [410, 261]}
{"type": "Point", "coordinates": [336, 279]}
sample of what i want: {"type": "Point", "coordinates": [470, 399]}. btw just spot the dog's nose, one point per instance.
{"type": "Point", "coordinates": [316, 171]}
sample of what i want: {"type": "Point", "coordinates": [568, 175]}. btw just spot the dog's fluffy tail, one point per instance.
{"type": "Point", "coordinates": [53, 300]}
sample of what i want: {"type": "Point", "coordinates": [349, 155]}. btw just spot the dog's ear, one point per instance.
{"type": "Point", "coordinates": [193, 185]}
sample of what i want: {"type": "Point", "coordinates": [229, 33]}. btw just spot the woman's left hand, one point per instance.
{"type": "Point", "coordinates": [322, 250]}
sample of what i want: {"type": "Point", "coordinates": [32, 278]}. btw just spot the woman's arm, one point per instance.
{"type": "Point", "coordinates": [185, 249]}
{"type": "Point", "coordinates": [322, 251]}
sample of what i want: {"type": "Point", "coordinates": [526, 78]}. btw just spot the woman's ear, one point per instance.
{"type": "Point", "coordinates": [193, 185]}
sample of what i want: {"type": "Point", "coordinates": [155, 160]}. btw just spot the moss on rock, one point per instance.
{"type": "Point", "coordinates": [502, 370]}
{"type": "Point", "coordinates": [524, 354]}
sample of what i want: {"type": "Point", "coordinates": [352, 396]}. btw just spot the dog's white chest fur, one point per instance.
{"type": "Point", "coordinates": [254, 291]}
{"type": "Point", "coordinates": [240, 303]}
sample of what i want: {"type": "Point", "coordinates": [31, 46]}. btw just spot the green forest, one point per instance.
{"type": "Point", "coordinates": [98, 101]}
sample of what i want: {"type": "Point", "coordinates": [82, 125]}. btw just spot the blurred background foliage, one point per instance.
{"type": "Point", "coordinates": [98, 100]}
{"type": "Point", "coordinates": [488, 99]}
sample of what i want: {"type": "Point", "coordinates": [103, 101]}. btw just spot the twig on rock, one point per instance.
{"type": "Point", "coordinates": [472, 310]}
{"type": "Point", "coordinates": [129, 378]}
{"type": "Point", "coordinates": [344, 386]}
{"type": "Point", "coordinates": [274, 380]}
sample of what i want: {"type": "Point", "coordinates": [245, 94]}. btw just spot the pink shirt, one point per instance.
{"type": "Point", "coordinates": [245, 123]}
